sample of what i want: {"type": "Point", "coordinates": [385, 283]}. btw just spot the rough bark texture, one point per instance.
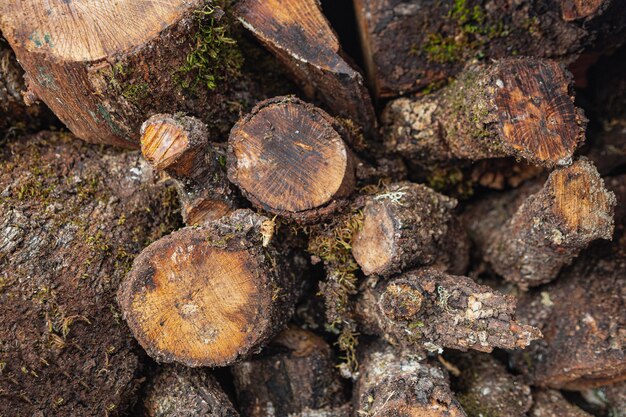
{"type": "Point", "coordinates": [581, 316]}
{"type": "Point", "coordinates": [290, 158]}
{"type": "Point", "coordinates": [179, 146]}
{"type": "Point", "coordinates": [72, 219]}
{"type": "Point", "coordinates": [397, 383]}
{"type": "Point", "coordinates": [297, 32]}
{"type": "Point", "coordinates": [411, 44]}
{"type": "Point", "coordinates": [209, 295]}
{"type": "Point", "coordinates": [184, 392]}
{"type": "Point", "coordinates": [521, 107]}
{"type": "Point", "coordinates": [103, 68]}
{"type": "Point", "coordinates": [550, 403]}
{"type": "Point", "coordinates": [296, 375]}
{"type": "Point", "coordinates": [527, 239]}
{"type": "Point", "coordinates": [408, 225]}
{"type": "Point", "coordinates": [610, 400]}
{"type": "Point", "coordinates": [428, 309]}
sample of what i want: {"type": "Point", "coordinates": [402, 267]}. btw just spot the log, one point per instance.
{"type": "Point", "coordinates": [297, 32]}
{"type": "Point", "coordinates": [72, 218]}
{"type": "Point", "coordinates": [582, 318]}
{"type": "Point", "coordinates": [393, 382]}
{"type": "Point", "coordinates": [529, 236]}
{"type": "Point", "coordinates": [209, 295]}
{"type": "Point", "coordinates": [551, 403]}
{"type": "Point", "coordinates": [408, 45]}
{"type": "Point", "coordinates": [609, 400]}
{"type": "Point", "coordinates": [408, 225]}
{"type": "Point", "coordinates": [290, 158]}
{"type": "Point", "coordinates": [426, 309]}
{"type": "Point", "coordinates": [519, 107]}
{"type": "Point", "coordinates": [186, 392]}
{"type": "Point", "coordinates": [295, 375]}
{"type": "Point", "coordinates": [105, 67]}
{"type": "Point", "coordinates": [179, 146]}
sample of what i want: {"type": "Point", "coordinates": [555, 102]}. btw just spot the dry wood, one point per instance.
{"type": "Point", "coordinates": [408, 225]}
{"type": "Point", "coordinates": [527, 237]}
{"type": "Point", "coordinates": [179, 145]}
{"type": "Point", "coordinates": [297, 32]}
{"type": "Point", "coordinates": [518, 107]}
{"type": "Point", "coordinates": [209, 295]}
{"type": "Point", "coordinates": [295, 375]}
{"type": "Point", "coordinates": [429, 309]}
{"type": "Point", "coordinates": [290, 158]}
{"type": "Point", "coordinates": [550, 403]}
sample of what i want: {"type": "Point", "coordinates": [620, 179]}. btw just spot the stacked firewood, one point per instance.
{"type": "Point", "coordinates": [442, 234]}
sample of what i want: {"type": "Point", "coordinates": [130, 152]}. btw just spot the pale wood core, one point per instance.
{"type": "Point", "coordinates": [374, 245]}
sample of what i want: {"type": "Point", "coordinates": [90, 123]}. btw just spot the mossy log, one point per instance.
{"type": "Point", "coordinates": [290, 158]}
{"type": "Point", "coordinates": [521, 107]}
{"type": "Point", "coordinates": [407, 225]}
{"type": "Point", "coordinates": [409, 45]}
{"type": "Point", "coordinates": [551, 403]}
{"type": "Point", "coordinates": [581, 316]}
{"type": "Point", "coordinates": [105, 67]}
{"type": "Point", "coordinates": [528, 236]}
{"type": "Point", "coordinates": [179, 145]}
{"type": "Point", "coordinates": [177, 391]}
{"type": "Point", "coordinates": [295, 375]}
{"type": "Point", "coordinates": [210, 295]}
{"type": "Point", "coordinates": [72, 217]}
{"type": "Point", "coordinates": [297, 32]}
{"type": "Point", "coordinates": [429, 309]}
{"type": "Point", "coordinates": [399, 383]}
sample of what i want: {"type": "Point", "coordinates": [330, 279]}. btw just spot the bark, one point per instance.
{"type": "Point", "coordinates": [609, 400]}
{"type": "Point", "coordinates": [179, 146]}
{"type": "Point", "coordinates": [550, 403]}
{"type": "Point", "coordinates": [429, 309]}
{"type": "Point", "coordinates": [73, 217]}
{"type": "Point", "coordinates": [291, 159]}
{"type": "Point", "coordinates": [103, 68]}
{"type": "Point", "coordinates": [296, 375]}
{"type": "Point", "coordinates": [185, 392]}
{"type": "Point", "coordinates": [521, 107]}
{"type": "Point", "coordinates": [582, 318]}
{"type": "Point", "coordinates": [529, 236]}
{"type": "Point", "coordinates": [407, 225]}
{"type": "Point", "coordinates": [393, 382]}
{"type": "Point", "coordinates": [409, 45]}
{"type": "Point", "coordinates": [297, 32]}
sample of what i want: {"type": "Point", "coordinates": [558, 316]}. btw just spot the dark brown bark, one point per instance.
{"type": "Point", "coordinates": [407, 225]}
{"type": "Point", "coordinates": [429, 309]}
{"type": "Point", "coordinates": [412, 44]}
{"type": "Point", "coordinates": [550, 403]}
{"type": "Point", "coordinates": [72, 217]}
{"type": "Point", "coordinates": [184, 392]}
{"type": "Point", "coordinates": [527, 237]}
{"type": "Point", "coordinates": [179, 145]}
{"type": "Point", "coordinates": [297, 32]}
{"type": "Point", "coordinates": [290, 158]}
{"type": "Point", "coordinates": [398, 383]}
{"type": "Point", "coordinates": [209, 295]}
{"type": "Point", "coordinates": [295, 375]}
{"type": "Point", "coordinates": [520, 107]}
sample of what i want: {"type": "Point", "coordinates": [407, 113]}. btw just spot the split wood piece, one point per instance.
{"type": "Point", "coordinates": [393, 382]}
{"type": "Point", "coordinates": [297, 32]}
{"type": "Point", "coordinates": [527, 238]}
{"type": "Point", "coordinates": [408, 225]}
{"type": "Point", "coordinates": [429, 309]}
{"type": "Point", "coordinates": [550, 403]}
{"type": "Point", "coordinates": [408, 46]}
{"type": "Point", "coordinates": [289, 158]}
{"type": "Point", "coordinates": [521, 107]}
{"type": "Point", "coordinates": [209, 295]}
{"type": "Point", "coordinates": [179, 146]}
{"type": "Point", "coordinates": [486, 388]}
{"type": "Point", "coordinates": [609, 400]}
{"type": "Point", "coordinates": [582, 316]}
{"type": "Point", "coordinates": [72, 217]}
{"type": "Point", "coordinates": [296, 373]}
{"type": "Point", "coordinates": [185, 392]}
{"type": "Point", "coordinates": [104, 67]}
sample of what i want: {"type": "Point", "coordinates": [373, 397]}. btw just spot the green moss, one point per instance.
{"type": "Point", "coordinates": [474, 406]}
{"type": "Point", "coordinates": [135, 92]}
{"type": "Point", "coordinates": [442, 49]}
{"type": "Point", "coordinates": [450, 180]}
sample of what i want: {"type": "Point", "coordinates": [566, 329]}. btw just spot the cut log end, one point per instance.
{"type": "Point", "coordinates": [287, 157]}
{"type": "Point", "coordinates": [580, 9]}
